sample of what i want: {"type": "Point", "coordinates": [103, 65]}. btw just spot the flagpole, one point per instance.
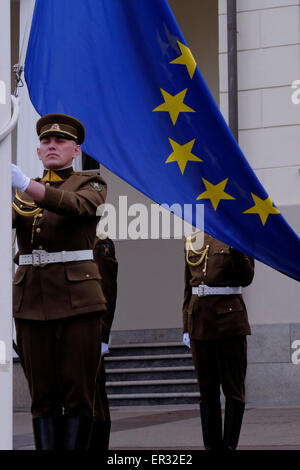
{"type": "Point", "coordinates": [232, 69]}
{"type": "Point", "coordinates": [6, 414]}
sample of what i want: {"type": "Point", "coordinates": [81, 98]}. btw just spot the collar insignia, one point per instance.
{"type": "Point", "coordinates": [51, 176]}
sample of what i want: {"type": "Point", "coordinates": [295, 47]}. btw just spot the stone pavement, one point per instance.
{"type": "Point", "coordinates": [177, 427]}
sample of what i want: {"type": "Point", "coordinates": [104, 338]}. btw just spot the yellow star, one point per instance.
{"type": "Point", "coordinates": [186, 58]}
{"type": "Point", "coordinates": [182, 154]}
{"type": "Point", "coordinates": [262, 207]}
{"type": "Point", "coordinates": [174, 105]}
{"type": "Point", "coordinates": [215, 192]}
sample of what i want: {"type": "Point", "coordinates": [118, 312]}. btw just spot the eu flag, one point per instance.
{"type": "Point", "coordinates": [124, 69]}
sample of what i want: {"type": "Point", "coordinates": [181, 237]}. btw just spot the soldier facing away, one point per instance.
{"type": "Point", "coordinates": [58, 302]}
{"type": "Point", "coordinates": [215, 324]}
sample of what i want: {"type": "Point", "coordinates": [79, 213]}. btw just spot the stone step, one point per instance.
{"type": "Point", "coordinates": [148, 373]}
{"type": "Point", "coordinates": [140, 399]}
{"type": "Point", "coordinates": [159, 360]}
{"type": "Point", "coordinates": [144, 349]}
{"type": "Point", "coordinates": [152, 386]}
{"type": "Point", "coordinates": [140, 345]}
{"type": "Point", "coordinates": [152, 382]}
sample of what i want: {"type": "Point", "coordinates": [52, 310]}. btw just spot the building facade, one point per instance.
{"type": "Point", "coordinates": [150, 280]}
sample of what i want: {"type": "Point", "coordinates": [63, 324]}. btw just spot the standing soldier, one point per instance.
{"type": "Point", "coordinates": [105, 257]}
{"type": "Point", "coordinates": [215, 323]}
{"type": "Point", "coordinates": [57, 294]}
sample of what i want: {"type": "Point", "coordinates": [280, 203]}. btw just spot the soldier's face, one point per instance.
{"type": "Point", "coordinates": [56, 152]}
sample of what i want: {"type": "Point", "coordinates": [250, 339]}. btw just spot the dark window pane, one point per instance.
{"type": "Point", "coordinates": [88, 163]}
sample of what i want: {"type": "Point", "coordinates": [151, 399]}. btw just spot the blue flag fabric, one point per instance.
{"type": "Point", "coordinates": [124, 69]}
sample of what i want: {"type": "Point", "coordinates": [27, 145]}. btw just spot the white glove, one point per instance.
{"type": "Point", "coordinates": [18, 179]}
{"type": "Point", "coordinates": [186, 340]}
{"type": "Point", "coordinates": [104, 349]}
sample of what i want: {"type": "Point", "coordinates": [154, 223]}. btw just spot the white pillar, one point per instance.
{"type": "Point", "coordinates": [28, 141]}
{"type": "Point", "coordinates": [5, 237]}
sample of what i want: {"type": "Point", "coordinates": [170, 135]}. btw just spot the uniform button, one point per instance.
{"type": "Point", "coordinates": [230, 309]}
{"type": "Point", "coordinates": [21, 205]}
{"type": "Point", "coordinates": [38, 230]}
{"type": "Point", "coordinates": [40, 215]}
{"type": "Point", "coordinates": [87, 275]}
{"type": "Point", "coordinates": [40, 247]}
{"type": "Point", "coordinates": [202, 283]}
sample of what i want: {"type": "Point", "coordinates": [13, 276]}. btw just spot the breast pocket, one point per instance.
{"type": "Point", "coordinates": [18, 288]}
{"type": "Point", "coordinates": [222, 255]}
{"type": "Point", "coordinates": [84, 282]}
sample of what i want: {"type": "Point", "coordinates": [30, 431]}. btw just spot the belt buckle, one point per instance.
{"type": "Point", "coordinates": [39, 254]}
{"type": "Point", "coordinates": [201, 291]}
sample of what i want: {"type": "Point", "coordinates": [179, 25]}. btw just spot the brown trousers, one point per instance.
{"type": "Point", "coordinates": [63, 366]}
{"type": "Point", "coordinates": [221, 362]}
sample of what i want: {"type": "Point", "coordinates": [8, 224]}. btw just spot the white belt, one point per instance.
{"type": "Point", "coordinates": [206, 290]}
{"type": "Point", "coordinates": [39, 257]}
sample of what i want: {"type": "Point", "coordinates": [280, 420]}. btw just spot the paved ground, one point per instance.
{"type": "Point", "coordinates": [178, 427]}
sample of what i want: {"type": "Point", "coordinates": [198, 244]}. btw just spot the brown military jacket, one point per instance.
{"type": "Point", "coordinates": [215, 316]}
{"type": "Point", "coordinates": [65, 220]}
{"type": "Point", "coordinates": [105, 257]}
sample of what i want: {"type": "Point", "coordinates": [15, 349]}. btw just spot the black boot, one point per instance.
{"type": "Point", "coordinates": [234, 411]}
{"type": "Point", "coordinates": [211, 421]}
{"type": "Point", "coordinates": [47, 432]}
{"type": "Point", "coordinates": [99, 436]}
{"type": "Point", "coordinates": [76, 431]}
{"type": "Point", "coordinates": [85, 433]}
{"type": "Point", "coordinates": [44, 433]}
{"type": "Point", "coordinates": [59, 432]}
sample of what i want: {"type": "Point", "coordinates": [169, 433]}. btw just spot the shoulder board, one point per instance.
{"type": "Point", "coordinates": [83, 173]}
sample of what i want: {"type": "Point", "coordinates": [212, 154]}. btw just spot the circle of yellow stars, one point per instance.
{"type": "Point", "coordinates": [182, 153]}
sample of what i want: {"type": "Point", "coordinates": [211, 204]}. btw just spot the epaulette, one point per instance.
{"type": "Point", "coordinates": [83, 173]}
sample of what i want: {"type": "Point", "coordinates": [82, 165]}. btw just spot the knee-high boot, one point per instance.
{"type": "Point", "coordinates": [234, 412]}
{"type": "Point", "coordinates": [47, 432]}
{"type": "Point", "coordinates": [99, 436]}
{"type": "Point", "coordinates": [85, 433]}
{"type": "Point", "coordinates": [211, 421]}
{"type": "Point", "coordinates": [44, 433]}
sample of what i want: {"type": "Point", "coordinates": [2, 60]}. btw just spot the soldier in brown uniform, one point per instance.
{"type": "Point", "coordinates": [216, 323]}
{"type": "Point", "coordinates": [58, 302]}
{"type": "Point", "coordinates": [105, 257]}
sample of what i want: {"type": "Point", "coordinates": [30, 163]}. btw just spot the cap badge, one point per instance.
{"type": "Point", "coordinates": [55, 127]}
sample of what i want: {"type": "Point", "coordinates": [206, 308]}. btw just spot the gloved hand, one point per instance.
{"type": "Point", "coordinates": [186, 340]}
{"type": "Point", "coordinates": [104, 349]}
{"type": "Point", "coordinates": [18, 179]}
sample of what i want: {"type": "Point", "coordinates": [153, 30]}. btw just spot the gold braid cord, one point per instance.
{"type": "Point", "coordinates": [28, 213]}
{"type": "Point", "coordinates": [203, 253]}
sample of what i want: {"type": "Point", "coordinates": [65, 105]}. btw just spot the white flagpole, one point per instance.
{"type": "Point", "coordinates": [5, 235]}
